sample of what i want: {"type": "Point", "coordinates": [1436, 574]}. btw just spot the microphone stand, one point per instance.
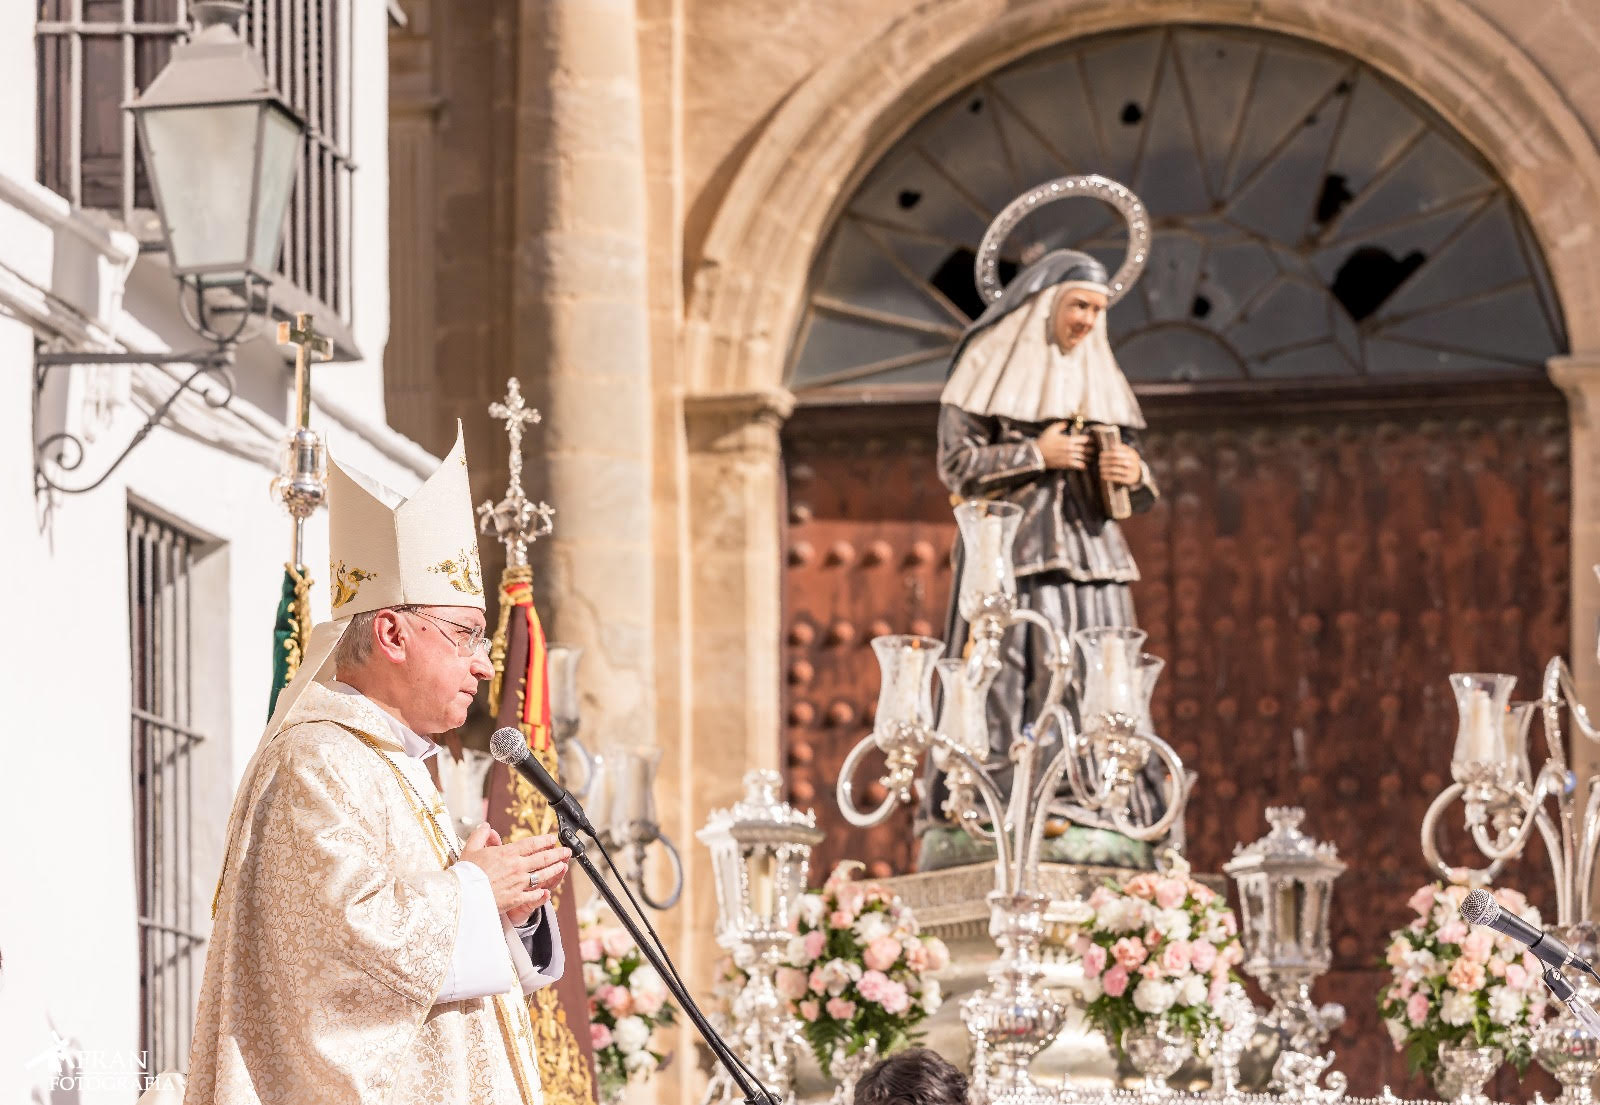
{"type": "Point", "coordinates": [754, 1092]}
{"type": "Point", "coordinates": [1567, 995]}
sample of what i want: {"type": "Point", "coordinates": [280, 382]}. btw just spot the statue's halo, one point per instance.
{"type": "Point", "coordinates": [1064, 188]}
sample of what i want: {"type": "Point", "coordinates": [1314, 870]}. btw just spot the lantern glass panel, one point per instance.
{"type": "Point", "coordinates": [204, 200]}
{"type": "Point", "coordinates": [280, 147]}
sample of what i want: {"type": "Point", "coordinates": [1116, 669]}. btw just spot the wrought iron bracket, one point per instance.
{"type": "Point", "coordinates": [67, 450]}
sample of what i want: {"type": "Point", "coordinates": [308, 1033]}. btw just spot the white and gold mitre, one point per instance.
{"type": "Point", "coordinates": [386, 550]}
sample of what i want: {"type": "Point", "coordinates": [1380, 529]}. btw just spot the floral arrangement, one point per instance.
{"type": "Point", "coordinates": [628, 1001]}
{"type": "Point", "coordinates": [1456, 985]}
{"type": "Point", "coordinates": [1158, 947]}
{"type": "Point", "coordinates": [857, 971]}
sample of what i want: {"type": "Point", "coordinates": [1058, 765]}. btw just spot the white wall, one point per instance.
{"type": "Point", "coordinates": [67, 914]}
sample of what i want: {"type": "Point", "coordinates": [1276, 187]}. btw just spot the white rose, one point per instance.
{"type": "Point", "coordinates": [638, 1064]}
{"type": "Point", "coordinates": [1134, 915]}
{"type": "Point", "coordinates": [1153, 996]}
{"type": "Point", "coordinates": [837, 974]}
{"type": "Point", "coordinates": [1174, 924]}
{"type": "Point", "coordinates": [1505, 1005]}
{"type": "Point", "coordinates": [812, 910]}
{"type": "Point", "coordinates": [1077, 912]}
{"type": "Point", "coordinates": [1458, 1007]}
{"type": "Point", "coordinates": [1193, 990]}
{"type": "Point", "coordinates": [870, 926]}
{"type": "Point", "coordinates": [795, 952]}
{"type": "Point", "coordinates": [1531, 915]}
{"type": "Point", "coordinates": [932, 995]}
{"type": "Point", "coordinates": [630, 1035]}
{"type": "Point", "coordinates": [1397, 1031]}
{"type": "Point", "coordinates": [593, 976]}
{"type": "Point", "coordinates": [1090, 990]}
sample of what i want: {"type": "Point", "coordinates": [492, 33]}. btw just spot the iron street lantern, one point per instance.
{"type": "Point", "coordinates": [221, 147]}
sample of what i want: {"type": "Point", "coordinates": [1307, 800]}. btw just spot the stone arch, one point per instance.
{"type": "Point", "coordinates": [750, 277]}
{"type": "Point", "coordinates": [751, 273]}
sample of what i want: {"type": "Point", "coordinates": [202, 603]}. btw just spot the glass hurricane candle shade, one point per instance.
{"type": "Point", "coordinates": [1116, 678]}
{"type": "Point", "coordinates": [1489, 747]}
{"type": "Point", "coordinates": [988, 530]}
{"type": "Point", "coordinates": [905, 697]}
{"type": "Point", "coordinates": [563, 668]}
{"type": "Point", "coordinates": [962, 718]}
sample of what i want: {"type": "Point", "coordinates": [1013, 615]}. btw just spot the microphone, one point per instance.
{"type": "Point", "coordinates": [510, 747]}
{"type": "Point", "coordinates": [1480, 908]}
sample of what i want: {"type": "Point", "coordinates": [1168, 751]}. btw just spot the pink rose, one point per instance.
{"type": "Point", "coordinates": [1422, 900]}
{"type": "Point", "coordinates": [1417, 1009]}
{"type": "Point", "coordinates": [791, 983]}
{"type": "Point", "coordinates": [1452, 932]}
{"type": "Point", "coordinates": [1101, 897]}
{"type": "Point", "coordinates": [1151, 969]}
{"type": "Point", "coordinates": [1129, 952]}
{"type": "Point", "coordinates": [1203, 955]}
{"type": "Point", "coordinates": [809, 1010]}
{"type": "Point", "coordinates": [590, 950]}
{"type": "Point", "coordinates": [896, 999]}
{"type": "Point", "coordinates": [1233, 954]}
{"type": "Point", "coordinates": [841, 1009]}
{"type": "Point", "coordinates": [1398, 951]}
{"type": "Point", "coordinates": [917, 957]}
{"type": "Point", "coordinates": [882, 953]}
{"type": "Point", "coordinates": [1115, 981]}
{"type": "Point", "coordinates": [1512, 900]}
{"type": "Point", "coordinates": [1202, 893]}
{"type": "Point", "coordinates": [1517, 976]}
{"type": "Point", "coordinates": [873, 985]}
{"type": "Point", "coordinates": [840, 919]}
{"type": "Point", "coordinates": [1176, 957]}
{"type": "Point", "coordinates": [1457, 894]}
{"type": "Point", "coordinates": [1143, 886]}
{"type": "Point", "coordinates": [938, 954]}
{"type": "Point", "coordinates": [1214, 992]}
{"type": "Point", "coordinates": [1094, 961]}
{"type": "Point", "coordinates": [1496, 966]}
{"type": "Point", "coordinates": [1478, 946]}
{"type": "Point", "coordinates": [1403, 989]}
{"type": "Point", "coordinates": [618, 1001]}
{"type": "Point", "coordinates": [816, 981]}
{"type": "Point", "coordinates": [1230, 923]}
{"type": "Point", "coordinates": [1170, 893]}
{"type": "Point", "coordinates": [599, 1036]}
{"type": "Point", "coordinates": [851, 898]}
{"type": "Point", "coordinates": [815, 941]}
{"type": "Point", "coordinates": [1466, 975]}
{"type": "Point", "coordinates": [616, 942]}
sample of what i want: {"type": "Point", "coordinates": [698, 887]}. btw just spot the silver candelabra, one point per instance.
{"type": "Point", "coordinates": [1100, 763]}
{"type": "Point", "coordinates": [1504, 802]}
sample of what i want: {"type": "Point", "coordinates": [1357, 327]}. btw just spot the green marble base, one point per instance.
{"type": "Point", "coordinates": [946, 846]}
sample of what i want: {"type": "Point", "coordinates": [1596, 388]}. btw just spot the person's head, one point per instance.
{"type": "Point", "coordinates": [918, 1076]}
{"type": "Point", "coordinates": [1077, 309]}
{"type": "Point", "coordinates": [422, 662]}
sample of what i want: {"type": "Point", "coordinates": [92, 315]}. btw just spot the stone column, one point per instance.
{"type": "Point", "coordinates": [1578, 376]}
{"type": "Point", "coordinates": [581, 346]}
{"type": "Point", "coordinates": [734, 606]}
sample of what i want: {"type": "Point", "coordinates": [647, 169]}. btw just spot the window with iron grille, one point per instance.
{"type": "Point", "coordinates": [164, 741]}
{"type": "Point", "coordinates": [95, 55]}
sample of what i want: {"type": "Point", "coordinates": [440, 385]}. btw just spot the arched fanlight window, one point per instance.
{"type": "Point", "coordinates": [1312, 222]}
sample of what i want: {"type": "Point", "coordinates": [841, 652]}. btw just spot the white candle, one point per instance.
{"type": "Point", "coordinates": [762, 888]}
{"type": "Point", "coordinates": [986, 566]}
{"type": "Point", "coordinates": [1484, 743]}
{"type": "Point", "coordinates": [1118, 676]}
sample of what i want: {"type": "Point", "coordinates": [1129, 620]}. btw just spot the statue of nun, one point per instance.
{"type": "Point", "coordinates": [1029, 381]}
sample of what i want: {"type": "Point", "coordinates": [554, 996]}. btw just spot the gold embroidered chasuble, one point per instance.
{"type": "Point", "coordinates": [335, 930]}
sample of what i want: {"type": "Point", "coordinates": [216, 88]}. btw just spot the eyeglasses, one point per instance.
{"type": "Point", "coordinates": [474, 642]}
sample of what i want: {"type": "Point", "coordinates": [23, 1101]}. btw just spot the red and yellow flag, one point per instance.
{"type": "Point", "coordinates": [520, 695]}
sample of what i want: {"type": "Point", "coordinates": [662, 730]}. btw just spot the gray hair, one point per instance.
{"type": "Point", "coordinates": [355, 647]}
